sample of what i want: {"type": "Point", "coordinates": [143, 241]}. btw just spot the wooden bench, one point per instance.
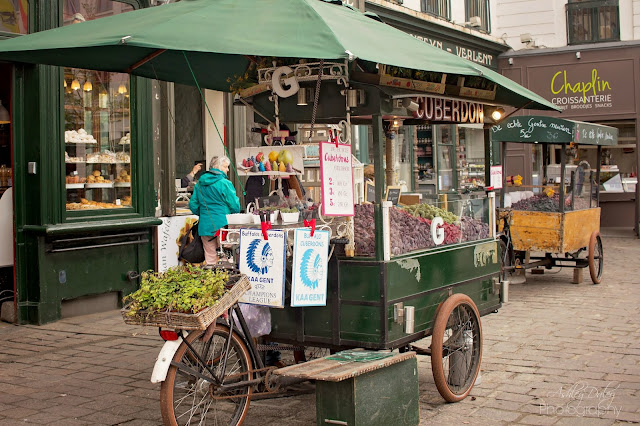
{"type": "Point", "coordinates": [359, 389]}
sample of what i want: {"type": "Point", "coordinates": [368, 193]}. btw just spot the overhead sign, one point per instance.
{"type": "Point", "coordinates": [336, 174]}
{"type": "Point", "coordinates": [263, 261]}
{"type": "Point", "coordinates": [586, 88]}
{"type": "Point", "coordinates": [449, 110]}
{"type": "Point", "coordinates": [310, 265]}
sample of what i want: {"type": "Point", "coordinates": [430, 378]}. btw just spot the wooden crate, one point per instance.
{"type": "Point", "coordinates": [552, 232]}
{"type": "Point", "coordinates": [379, 392]}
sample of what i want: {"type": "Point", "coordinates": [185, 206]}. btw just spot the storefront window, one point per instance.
{"type": "Point", "coordinates": [470, 153]}
{"type": "Point", "coordinates": [97, 124]}
{"type": "Point", "coordinates": [592, 21]}
{"type": "Point", "coordinates": [446, 158]}
{"type": "Point", "coordinates": [14, 16]}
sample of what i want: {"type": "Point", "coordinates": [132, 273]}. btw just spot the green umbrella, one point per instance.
{"type": "Point", "coordinates": [218, 36]}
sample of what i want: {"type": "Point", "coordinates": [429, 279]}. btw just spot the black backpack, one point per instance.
{"type": "Point", "coordinates": [194, 251]}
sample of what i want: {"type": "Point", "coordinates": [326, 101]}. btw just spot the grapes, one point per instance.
{"type": "Point", "coordinates": [412, 231]}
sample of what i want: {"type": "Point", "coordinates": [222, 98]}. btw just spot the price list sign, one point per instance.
{"type": "Point", "coordinates": [336, 174]}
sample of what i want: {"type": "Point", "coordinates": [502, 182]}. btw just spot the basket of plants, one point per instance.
{"type": "Point", "coordinates": [183, 297]}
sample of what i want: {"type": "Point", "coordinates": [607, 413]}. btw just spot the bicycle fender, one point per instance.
{"type": "Point", "coordinates": [163, 362]}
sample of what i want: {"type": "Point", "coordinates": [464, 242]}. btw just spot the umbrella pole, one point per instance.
{"type": "Point", "coordinates": [145, 60]}
{"type": "Point", "coordinates": [226, 151]}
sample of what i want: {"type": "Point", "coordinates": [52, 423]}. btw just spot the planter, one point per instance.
{"type": "Point", "coordinates": [273, 217]}
{"type": "Point", "coordinates": [401, 83]}
{"type": "Point", "coordinates": [239, 218]}
{"type": "Point", "coordinates": [293, 217]}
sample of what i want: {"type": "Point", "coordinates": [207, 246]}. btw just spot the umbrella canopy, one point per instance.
{"type": "Point", "coordinates": [217, 36]}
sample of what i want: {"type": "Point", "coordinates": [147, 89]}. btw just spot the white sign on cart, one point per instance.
{"type": "Point", "coordinates": [337, 179]}
{"type": "Point", "coordinates": [310, 260]}
{"type": "Point", "coordinates": [263, 261]}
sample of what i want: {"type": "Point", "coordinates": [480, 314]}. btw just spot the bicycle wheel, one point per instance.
{"type": "Point", "coordinates": [186, 399]}
{"type": "Point", "coordinates": [456, 347]}
{"type": "Point", "coordinates": [596, 257]}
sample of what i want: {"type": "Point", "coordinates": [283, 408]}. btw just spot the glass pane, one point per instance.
{"type": "Point", "coordinates": [97, 119]}
{"type": "Point", "coordinates": [446, 156]}
{"type": "Point", "coordinates": [470, 152]}
{"type": "Point", "coordinates": [14, 16]}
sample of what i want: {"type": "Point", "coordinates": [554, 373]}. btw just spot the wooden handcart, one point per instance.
{"type": "Point", "coordinates": [568, 236]}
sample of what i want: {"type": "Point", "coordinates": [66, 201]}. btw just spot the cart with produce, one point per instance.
{"type": "Point", "coordinates": [558, 218]}
{"type": "Point", "coordinates": [389, 275]}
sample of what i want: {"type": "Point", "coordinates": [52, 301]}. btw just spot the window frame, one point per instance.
{"type": "Point", "coordinates": [136, 208]}
{"type": "Point", "coordinates": [595, 7]}
{"type": "Point", "coordinates": [485, 16]}
{"type": "Point", "coordinates": [438, 14]}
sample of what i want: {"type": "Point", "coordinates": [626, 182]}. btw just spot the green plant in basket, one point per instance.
{"type": "Point", "coordinates": [184, 289]}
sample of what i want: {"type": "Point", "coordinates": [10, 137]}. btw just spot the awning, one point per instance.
{"type": "Point", "coordinates": [539, 129]}
{"type": "Point", "coordinates": [219, 37]}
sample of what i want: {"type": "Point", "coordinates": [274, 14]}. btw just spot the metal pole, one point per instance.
{"type": "Point", "coordinates": [563, 171]}
{"type": "Point", "coordinates": [378, 167]}
{"type": "Point", "coordinates": [597, 183]}
{"type": "Point", "coordinates": [503, 161]}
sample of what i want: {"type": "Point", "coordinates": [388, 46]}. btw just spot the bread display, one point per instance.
{"type": "Point", "coordinates": [78, 136]}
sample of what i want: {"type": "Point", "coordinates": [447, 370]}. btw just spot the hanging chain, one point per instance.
{"type": "Point", "coordinates": [315, 99]}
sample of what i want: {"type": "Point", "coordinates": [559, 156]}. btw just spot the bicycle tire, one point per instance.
{"type": "Point", "coordinates": [186, 399]}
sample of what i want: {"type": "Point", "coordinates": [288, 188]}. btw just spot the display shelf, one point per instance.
{"type": "Point", "coordinates": [75, 162]}
{"type": "Point", "coordinates": [111, 162]}
{"type": "Point", "coordinates": [81, 143]}
{"type": "Point", "coordinates": [74, 185]}
{"type": "Point", "coordinates": [271, 173]}
{"type": "Point", "coordinates": [98, 185]}
{"type": "Point", "coordinates": [122, 184]}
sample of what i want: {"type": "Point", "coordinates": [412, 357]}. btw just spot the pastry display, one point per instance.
{"type": "Point", "coordinates": [122, 157]}
{"type": "Point", "coordinates": [126, 139]}
{"type": "Point", "coordinates": [105, 157]}
{"type": "Point", "coordinates": [96, 177]}
{"type": "Point", "coordinates": [79, 136]}
{"type": "Point", "coordinates": [123, 177]}
{"type": "Point", "coordinates": [68, 159]}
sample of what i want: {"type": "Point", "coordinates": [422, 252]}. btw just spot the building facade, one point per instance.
{"type": "Point", "coordinates": [584, 56]}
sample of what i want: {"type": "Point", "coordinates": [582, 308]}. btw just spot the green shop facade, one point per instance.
{"type": "Point", "coordinates": [80, 151]}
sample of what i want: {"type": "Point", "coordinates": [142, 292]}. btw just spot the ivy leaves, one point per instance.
{"type": "Point", "coordinates": [186, 289]}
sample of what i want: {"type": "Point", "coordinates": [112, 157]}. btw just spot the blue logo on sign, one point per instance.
{"type": "Point", "coordinates": [259, 256]}
{"type": "Point", "coordinates": [311, 268]}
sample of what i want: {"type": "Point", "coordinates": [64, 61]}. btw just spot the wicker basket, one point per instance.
{"type": "Point", "coordinates": [200, 321]}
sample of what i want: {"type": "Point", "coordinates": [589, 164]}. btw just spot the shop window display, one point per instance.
{"type": "Point", "coordinates": [97, 124]}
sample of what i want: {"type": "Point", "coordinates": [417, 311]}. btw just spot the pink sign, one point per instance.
{"type": "Point", "coordinates": [336, 174]}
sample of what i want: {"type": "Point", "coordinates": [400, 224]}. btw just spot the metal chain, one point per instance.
{"type": "Point", "coordinates": [315, 99]}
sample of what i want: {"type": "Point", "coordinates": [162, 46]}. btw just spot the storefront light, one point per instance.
{"type": "Point", "coordinates": [497, 114]}
{"type": "Point", "coordinates": [75, 84]}
{"type": "Point", "coordinates": [122, 89]}
{"type": "Point", "coordinates": [4, 115]}
{"type": "Point", "coordinates": [87, 86]}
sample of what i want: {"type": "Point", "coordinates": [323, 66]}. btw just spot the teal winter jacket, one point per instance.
{"type": "Point", "coordinates": [213, 198]}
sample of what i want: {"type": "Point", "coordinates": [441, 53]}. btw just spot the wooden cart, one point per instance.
{"type": "Point", "coordinates": [570, 235]}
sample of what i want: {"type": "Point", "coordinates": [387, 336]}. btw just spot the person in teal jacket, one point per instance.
{"type": "Point", "coordinates": [213, 198]}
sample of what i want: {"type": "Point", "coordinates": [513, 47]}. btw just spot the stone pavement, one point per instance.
{"type": "Point", "coordinates": [556, 354]}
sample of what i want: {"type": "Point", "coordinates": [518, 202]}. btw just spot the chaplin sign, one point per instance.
{"type": "Point", "coordinates": [586, 88]}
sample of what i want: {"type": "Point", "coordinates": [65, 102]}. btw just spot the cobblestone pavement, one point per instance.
{"type": "Point", "coordinates": [556, 354]}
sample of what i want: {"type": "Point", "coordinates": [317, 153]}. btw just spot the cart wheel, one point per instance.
{"type": "Point", "coordinates": [456, 347]}
{"type": "Point", "coordinates": [186, 399]}
{"type": "Point", "coordinates": [596, 257]}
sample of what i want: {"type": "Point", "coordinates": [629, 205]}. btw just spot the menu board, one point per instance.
{"type": "Point", "coordinates": [393, 194]}
{"type": "Point", "coordinates": [370, 193]}
{"type": "Point", "coordinates": [336, 174]}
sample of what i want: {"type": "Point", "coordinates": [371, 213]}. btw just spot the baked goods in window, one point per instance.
{"type": "Point", "coordinates": [126, 139]}
{"type": "Point", "coordinates": [78, 136]}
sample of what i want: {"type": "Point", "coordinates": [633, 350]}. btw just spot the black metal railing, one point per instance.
{"type": "Point", "coordinates": [479, 8]}
{"type": "Point", "coordinates": [439, 8]}
{"type": "Point", "coordinates": [592, 21]}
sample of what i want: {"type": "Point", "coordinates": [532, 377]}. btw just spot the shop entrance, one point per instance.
{"type": "Point", "coordinates": [7, 222]}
